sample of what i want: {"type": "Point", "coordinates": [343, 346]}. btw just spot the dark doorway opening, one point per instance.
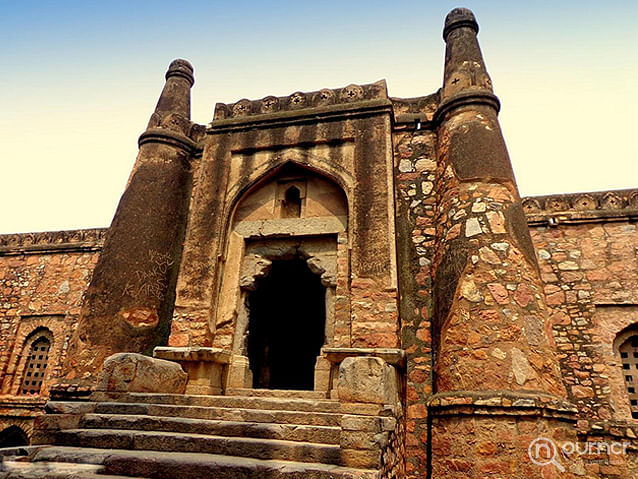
{"type": "Point", "coordinates": [286, 328]}
{"type": "Point", "coordinates": [13, 436]}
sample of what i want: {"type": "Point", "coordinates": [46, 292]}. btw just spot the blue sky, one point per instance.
{"type": "Point", "coordinates": [81, 79]}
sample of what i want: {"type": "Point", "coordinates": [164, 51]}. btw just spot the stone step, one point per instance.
{"type": "Point", "coordinates": [183, 465]}
{"type": "Point", "coordinates": [18, 469]}
{"type": "Point", "coordinates": [285, 432]}
{"type": "Point", "coordinates": [243, 402]}
{"type": "Point", "coordinates": [224, 414]}
{"type": "Point", "coordinates": [200, 443]}
{"type": "Point", "coordinates": [277, 393]}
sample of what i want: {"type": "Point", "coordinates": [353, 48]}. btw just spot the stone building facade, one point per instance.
{"type": "Point", "coordinates": [368, 250]}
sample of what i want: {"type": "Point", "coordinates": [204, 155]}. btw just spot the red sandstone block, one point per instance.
{"type": "Point", "coordinates": [417, 411]}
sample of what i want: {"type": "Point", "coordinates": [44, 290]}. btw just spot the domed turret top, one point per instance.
{"type": "Point", "coordinates": [457, 18]}
{"type": "Point", "coordinates": [181, 68]}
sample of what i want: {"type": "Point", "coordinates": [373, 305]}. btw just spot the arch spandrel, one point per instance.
{"type": "Point", "coordinates": [248, 170]}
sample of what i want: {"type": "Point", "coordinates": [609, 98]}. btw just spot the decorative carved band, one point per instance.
{"type": "Point", "coordinates": [472, 97]}
{"type": "Point", "coordinates": [300, 101]}
{"type": "Point", "coordinates": [581, 207]}
{"type": "Point", "coordinates": [52, 241]}
{"type": "Point", "coordinates": [168, 137]}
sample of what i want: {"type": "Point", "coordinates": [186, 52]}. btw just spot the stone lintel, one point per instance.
{"type": "Point", "coordinates": [213, 355]}
{"type": "Point", "coordinates": [291, 227]}
{"type": "Point", "coordinates": [307, 115]}
{"type": "Point", "coordinates": [501, 403]}
{"type": "Point", "coordinates": [395, 357]}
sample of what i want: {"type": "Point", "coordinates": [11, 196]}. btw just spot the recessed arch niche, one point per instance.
{"type": "Point", "coordinates": [288, 236]}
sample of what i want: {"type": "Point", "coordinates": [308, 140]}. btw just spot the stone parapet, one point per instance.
{"type": "Point", "coordinates": [299, 101]}
{"type": "Point", "coordinates": [47, 242]}
{"type": "Point", "coordinates": [574, 208]}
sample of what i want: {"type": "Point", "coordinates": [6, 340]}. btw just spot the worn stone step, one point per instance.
{"type": "Point", "coordinates": [243, 402]}
{"type": "Point", "coordinates": [181, 442]}
{"type": "Point", "coordinates": [184, 465]}
{"type": "Point", "coordinates": [220, 413]}
{"type": "Point", "coordinates": [277, 393]}
{"type": "Point", "coordinates": [285, 432]}
{"type": "Point", "coordinates": [18, 469]}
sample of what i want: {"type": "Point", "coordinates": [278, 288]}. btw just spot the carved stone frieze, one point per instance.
{"type": "Point", "coordinates": [301, 100]}
{"type": "Point", "coordinates": [577, 207]}
{"type": "Point", "coordinates": [24, 243]}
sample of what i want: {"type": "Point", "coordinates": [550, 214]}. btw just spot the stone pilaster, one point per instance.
{"type": "Point", "coordinates": [128, 304]}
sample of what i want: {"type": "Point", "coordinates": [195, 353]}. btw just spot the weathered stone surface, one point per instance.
{"type": "Point", "coordinates": [131, 372]}
{"type": "Point", "coordinates": [367, 380]}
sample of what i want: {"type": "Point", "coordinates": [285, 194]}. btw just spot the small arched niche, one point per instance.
{"type": "Point", "coordinates": [13, 436]}
{"type": "Point", "coordinates": [278, 289]}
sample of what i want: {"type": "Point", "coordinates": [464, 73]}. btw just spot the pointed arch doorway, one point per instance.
{"type": "Point", "coordinates": [287, 247]}
{"type": "Point", "coordinates": [287, 317]}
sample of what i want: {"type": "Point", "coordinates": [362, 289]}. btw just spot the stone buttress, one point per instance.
{"type": "Point", "coordinates": [497, 381]}
{"type": "Point", "coordinates": [128, 304]}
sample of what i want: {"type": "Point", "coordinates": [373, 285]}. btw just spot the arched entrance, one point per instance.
{"type": "Point", "coordinates": [287, 248]}
{"type": "Point", "coordinates": [286, 329]}
{"type": "Point", "coordinates": [13, 436]}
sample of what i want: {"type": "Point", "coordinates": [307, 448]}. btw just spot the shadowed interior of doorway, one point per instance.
{"type": "Point", "coordinates": [286, 328]}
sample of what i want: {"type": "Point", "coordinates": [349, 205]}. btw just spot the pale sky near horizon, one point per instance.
{"type": "Point", "coordinates": [81, 79]}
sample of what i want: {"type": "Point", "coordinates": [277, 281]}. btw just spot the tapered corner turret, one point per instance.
{"type": "Point", "coordinates": [129, 302]}
{"type": "Point", "coordinates": [480, 180]}
{"type": "Point", "coordinates": [494, 345]}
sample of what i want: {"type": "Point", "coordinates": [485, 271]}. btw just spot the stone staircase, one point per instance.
{"type": "Point", "coordinates": [253, 434]}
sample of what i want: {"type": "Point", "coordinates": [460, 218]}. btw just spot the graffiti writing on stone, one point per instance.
{"type": "Point", "coordinates": [150, 282]}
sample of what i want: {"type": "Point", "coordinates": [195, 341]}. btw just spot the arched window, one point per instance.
{"type": "Point", "coordinates": [629, 355]}
{"type": "Point", "coordinates": [36, 365]}
{"type": "Point", "coordinates": [291, 207]}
